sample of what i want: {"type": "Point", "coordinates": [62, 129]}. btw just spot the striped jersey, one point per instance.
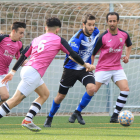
{"type": "Point", "coordinates": [83, 45]}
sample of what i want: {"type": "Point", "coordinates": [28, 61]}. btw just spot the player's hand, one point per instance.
{"type": "Point", "coordinates": [92, 68]}
{"type": "Point", "coordinates": [7, 78]}
{"type": "Point", "coordinates": [87, 66]}
{"type": "Point", "coordinates": [125, 59]}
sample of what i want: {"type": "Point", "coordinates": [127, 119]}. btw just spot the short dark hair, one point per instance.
{"type": "Point", "coordinates": [53, 21]}
{"type": "Point", "coordinates": [17, 25]}
{"type": "Point", "coordinates": [112, 13]}
{"type": "Point", "coordinates": [88, 17]}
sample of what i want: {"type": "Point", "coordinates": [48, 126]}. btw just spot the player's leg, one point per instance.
{"type": "Point", "coordinates": [12, 102]}
{"type": "Point", "coordinates": [120, 80]}
{"type": "Point", "coordinates": [56, 105]}
{"type": "Point", "coordinates": [4, 90]}
{"type": "Point", "coordinates": [31, 81]}
{"type": "Point", "coordinates": [88, 81]}
{"type": "Point", "coordinates": [68, 79]}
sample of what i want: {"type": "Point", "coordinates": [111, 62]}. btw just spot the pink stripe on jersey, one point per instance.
{"type": "Point", "coordinates": [111, 51]}
{"type": "Point", "coordinates": [43, 50]}
{"type": "Point", "coordinates": [8, 49]}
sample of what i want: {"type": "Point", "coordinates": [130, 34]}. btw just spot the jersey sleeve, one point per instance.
{"type": "Point", "coordinates": [27, 51]}
{"type": "Point", "coordinates": [98, 45]}
{"type": "Point", "coordinates": [67, 49]}
{"type": "Point", "coordinates": [24, 54]}
{"type": "Point", "coordinates": [128, 42]}
{"type": "Point", "coordinates": [17, 55]}
{"type": "Point", "coordinates": [3, 36]}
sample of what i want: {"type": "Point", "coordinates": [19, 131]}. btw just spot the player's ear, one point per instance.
{"type": "Point", "coordinates": [13, 31]}
{"type": "Point", "coordinates": [46, 28]}
{"type": "Point", "coordinates": [57, 30]}
{"type": "Point", "coordinates": [83, 24]}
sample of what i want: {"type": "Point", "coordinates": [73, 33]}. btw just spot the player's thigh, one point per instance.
{"type": "Point", "coordinates": [98, 85]}
{"type": "Point", "coordinates": [123, 85]}
{"type": "Point", "coordinates": [103, 77]}
{"type": "Point", "coordinates": [42, 91]}
{"type": "Point", "coordinates": [30, 80]}
{"type": "Point", "coordinates": [120, 79]}
{"type": "Point", "coordinates": [69, 77]}
{"type": "Point", "coordinates": [4, 85]}
{"type": "Point", "coordinates": [3, 92]}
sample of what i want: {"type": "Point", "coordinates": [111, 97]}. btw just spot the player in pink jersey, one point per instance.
{"type": "Point", "coordinates": [42, 50]}
{"type": "Point", "coordinates": [111, 43]}
{"type": "Point", "coordinates": [10, 46]}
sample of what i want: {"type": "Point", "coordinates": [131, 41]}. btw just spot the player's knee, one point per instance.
{"type": "Point", "coordinates": [91, 90]}
{"type": "Point", "coordinates": [4, 97]}
{"type": "Point", "coordinates": [46, 95]}
{"type": "Point", "coordinates": [125, 89]}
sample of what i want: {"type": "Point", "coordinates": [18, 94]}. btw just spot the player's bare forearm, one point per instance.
{"type": "Point", "coordinates": [128, 51]}
{"type": "Point", "coordinates": [8, 77]}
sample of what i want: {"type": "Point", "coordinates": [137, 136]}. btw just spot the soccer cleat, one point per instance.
{"type": "Point", "coordinates": [48, 121]}
{"type": "Point", "coordinates": [30, 125]}
{"type": "Point", "coordinates": [114, 120]}
{"type": "Point", "coordinates": [76, 115]}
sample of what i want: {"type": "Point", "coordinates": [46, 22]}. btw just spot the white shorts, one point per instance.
{"type": "Point", "coordinates": [105, 76]}
{"type": "Point", "coordinates": [30, 80]}
{"type": "Point", "coordinates": [2, 85]}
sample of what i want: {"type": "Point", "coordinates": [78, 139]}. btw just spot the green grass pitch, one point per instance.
{"type": "Point", "coordinates": [96, 128]}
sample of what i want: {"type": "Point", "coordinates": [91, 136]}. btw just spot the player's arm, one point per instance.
{"type": "Point", "coordinates": [67, 49]}
{"type": "Point", "coordinates": [98, 46]}
{"type": "Point", "coordinates": [24, 55]}
{"type": "Point", "coordinates": [127, 49]}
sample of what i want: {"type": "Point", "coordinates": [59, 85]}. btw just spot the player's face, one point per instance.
{"type": "Point", "coordinates": [88, 28]}
{"type": "Point", "coordinates": [112, 22]}
{"type": "Point", "coordinates": [17, 35]}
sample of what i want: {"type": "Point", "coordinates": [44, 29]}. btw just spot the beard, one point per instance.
{"type": "Point", "coordinates": [87, 32]}
{"type": "Point", "coordinates": [113, 29]}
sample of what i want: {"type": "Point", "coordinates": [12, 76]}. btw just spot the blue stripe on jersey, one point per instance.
{"type": "Point", "coordinates": [84, 47]}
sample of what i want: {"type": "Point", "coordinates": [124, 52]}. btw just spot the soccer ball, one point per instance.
{"type": "Point", "coordinates": [125, 118]}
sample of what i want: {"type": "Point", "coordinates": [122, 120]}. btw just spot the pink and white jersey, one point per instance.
{"type": "Point", "coordinates": [111, 47]}
{"type": "Point", "coordinates": [43, 49]}
{"type": "Point", "coordinates": [8, 49]}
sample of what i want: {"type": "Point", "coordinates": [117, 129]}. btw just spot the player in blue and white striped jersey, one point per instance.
{"type": "Point", "coordinates": [83, 43]}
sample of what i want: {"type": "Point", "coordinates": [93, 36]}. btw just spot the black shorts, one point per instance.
{"type": "Point", "coordinates": [70, 76]}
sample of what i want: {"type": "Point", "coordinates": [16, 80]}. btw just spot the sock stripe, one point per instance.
{"type": "Point", "coordinates": [1, 116]}
{"type": "Point", "coordinates": [5, 108]}
{"type": "Point", "coordinates": [36, 105]}
{"type": "Point", "coordinates": [121, 101]}
{"type": "Point", "coordinates": [32, 112]}
{"type": "Point", "coordinates": [28, 117]}
{"type": "Point", "coordinates": [118, 108]}
{"type": "Point", "coordinates": [123, 95]}
{"type": "Point", "coordinates": [7, 105]}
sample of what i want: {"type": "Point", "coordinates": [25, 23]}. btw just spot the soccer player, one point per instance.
{"type": "Point", "coordinates": [42, 50]}
{"type": "Point", "coordinates": [83, 43]}
{"type": "Point", "coordinates": [10, 46]}
{"type": "Point", "coordinates": [111, 43]}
